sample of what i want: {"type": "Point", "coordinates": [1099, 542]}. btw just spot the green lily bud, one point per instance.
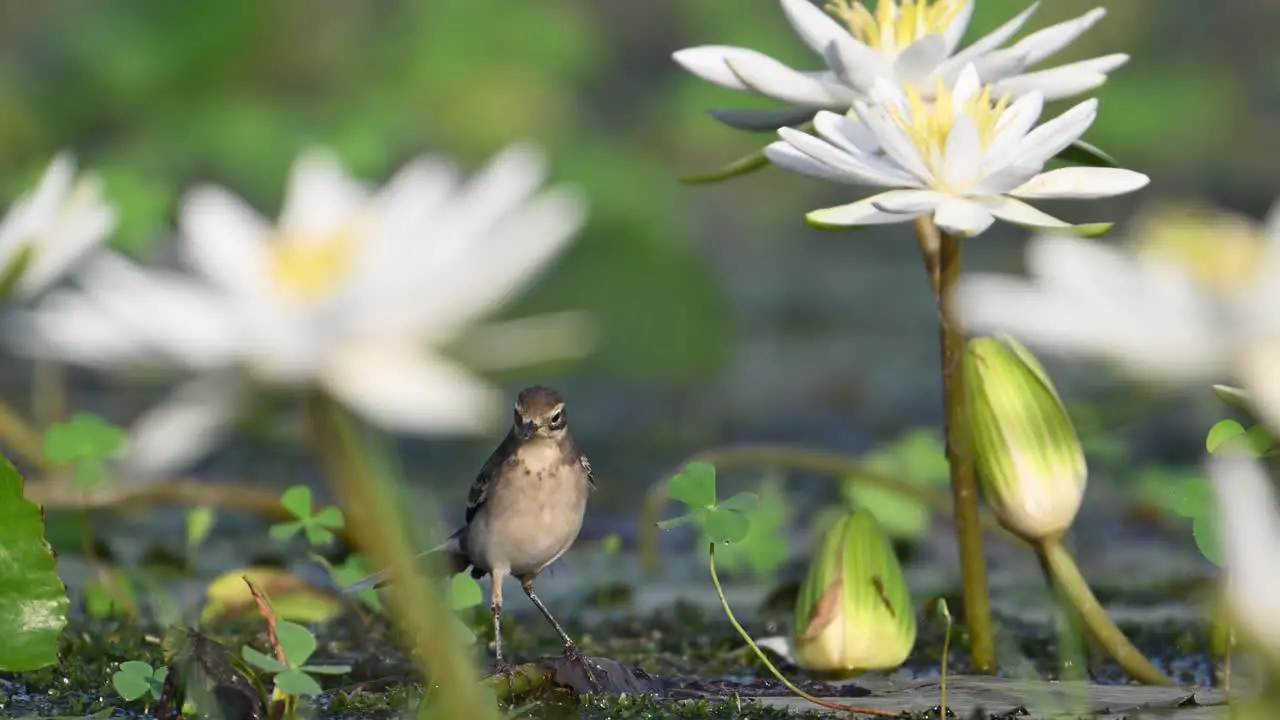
{"type": "Point", "coordinates": [1028, 457]}
{"type": "Point", "coordinates": [854, 611]}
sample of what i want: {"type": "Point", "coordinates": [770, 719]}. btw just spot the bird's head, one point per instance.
{"type": "Point", "coordinates": [540, 414]}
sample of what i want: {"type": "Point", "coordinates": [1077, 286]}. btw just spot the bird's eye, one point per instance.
{"type": "Point", "coordinates": [557, 419]}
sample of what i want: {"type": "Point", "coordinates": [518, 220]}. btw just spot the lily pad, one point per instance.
{"type": "Point", "coordinates": [33, 600]}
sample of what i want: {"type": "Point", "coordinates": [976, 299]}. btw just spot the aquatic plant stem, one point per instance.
{"type": "Point", "coordinates": [796, 458]}
{"type": "Point", "coordinates": [374, 518]}
{"type": "Point", "coordinates": [1066, 578]}
{"type": "Point", "coordinates": [21, 438]}
{"type": "Point", "coordinates": [724, 603]}
{"type": "Point", "coordinates": [941, 254]}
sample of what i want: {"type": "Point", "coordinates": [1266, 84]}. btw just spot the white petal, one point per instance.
{"type": "Point", "coordinates": [400, 387]}
{"type": "Point", "coordinates": [895, 142]}
{"type": "Point", "coordinates": [858, 167]}
{"type": "Point", "coordinates": [855, 64]}
{"type": "Point", "coordinates": [321, 197]}
{"type": "Point", "coordinates": [1043, 43]}
{"type": "Point", "coordinates": [845, 132]}
{"type": "Point", "coordinates": [768, 77]}
{"type": "Point", "coordinates": [80, 225]}
{"type": "Point", "coordinates": [955, 31]}
{"type": "Point", "coordinates": [967, 85]}
{"type": "Point", "coordinates": [1260, 373]}
{"type": "Point", "coordinates": [224, 239]}
{"type": "Point", "coordinates": [1249, 528]}
{"type": "Point", "coordinates": [862, 212]}
{"type": "Point", "coordinates": [920, 59]}
{"type": "Point", "coordinates": [1005, 179]}
{"type": "Point", "coordinates": [1014, 124]}
{"type": "Point", "coordinates": [785, 155]}
{"type": "Point", "coordinates": [1020, 213]}
{"type": "Point", "coordinates": [962, 217]}
{"type": "Point", "coordinates": [990, 41]}
{"type": "Point", "coordinates": [709, 63]}
{"type": "Point", "coordinates": [816, 28]}
{"type": "Point", "coordinates": [962, 160]}
{"type": "Point", "coordinates": [909, 202]}
{"type": "Point", "coordinates": [1053, 136]}
{"type": "Point", "coordinates": [1064, 81]}
{"type": "Point", "coordinates": [183, 428]}
{"type": "Point", "coordinates": [1082, 182]}
{"type": "Point", "coordinates": [999, 64]}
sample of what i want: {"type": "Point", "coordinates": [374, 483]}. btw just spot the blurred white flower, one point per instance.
{"type": "Point", "coordinates": [1249, 528]}
{"type": "Point", "coordinates": [1164, 318]}
{"type": "Point", "coordinates": [962, 159]}
{"type": "Point", "coordinates": [904, 42]}
{"type": "Point", "coordinates": [51, 229]}
{"type": "Point", "coordinates": [353, 291]}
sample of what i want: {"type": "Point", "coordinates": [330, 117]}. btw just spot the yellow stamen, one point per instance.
{"type": "Point", "coordinates": [307, 268]}
{"type": "Point", "coordinates": [1222, 251]}
{"type": "Point", "coordinates": [928, 123]}
{"type": "Point", "coordinates": [896, 24]}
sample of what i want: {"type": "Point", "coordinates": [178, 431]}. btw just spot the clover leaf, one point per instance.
{"type": "Point", "coordinates": [724, 522]}
{"type": "Point", "coordinates": [136, 678]}
{"type": "Point", "coordinates": [293, 675]}
{"type": "Point", "coordinates": [84, 443]}
{"type": "Point", "coordinates": [318, 526]}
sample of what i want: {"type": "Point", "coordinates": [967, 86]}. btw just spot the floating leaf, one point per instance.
{"type": "Point", "coordinates": [292, 597]}
{"type": "Point", "coordinates": [33, 601]}
{"type": "Point", "coordinates": [296, 642]}
{"type": "Point", "coordinates": [695, 485]}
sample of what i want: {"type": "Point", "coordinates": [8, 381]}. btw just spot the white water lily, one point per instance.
{"type": "Point", "coordinates": [964, 159]}
{"type": "Point", "coordinates": [48, 231]}
{"type": "Point", "coordinates": [352, 291]}
{"type": "Point", "coordinates": [1249, 529]}
{"type": "Point", "coordinates": [1207, 316]}
{"type": "Point", "coordinates": [904, 42]}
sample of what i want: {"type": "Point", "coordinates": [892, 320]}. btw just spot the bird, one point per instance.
{"type": "Point", "coordinates": [524, 510]}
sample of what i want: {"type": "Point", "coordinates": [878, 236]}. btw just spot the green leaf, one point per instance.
{"type": "Point", "coordinates": [33, 601]}
{"type": "Point", "coordinates": [695, 485]}
{"type": "Point", "coordinates": [88, 475]}
{"type": "Point", "coordinates": [317, 535]}
{"type": "Point", "coordinates": [296, 641]}
{"type": "Point", "coordinates": [296, 682]}
{"type": "Point", "coordinates": [765, 548]}
{"type": "Point", "coordinates": [1192, 497]}
{"type": "Point", "coordinates": [352, 571]}
{"type": "Point", "coordinates": [286, 530]}
{"type": "Point", "coordinates": [611, 544]}
{"type": "Point", "coordinates": [329, 517]}
{"type": "Point", "coordinates": [462, 631]}
{"type": "Point", "coordinates": [464, 591]}
{"type": "Point", "coordinates": [1204, 528]}
{"type": "Point", "coordinates": [725, 526]}
{"type": "Point", "coordinates": [685, 519]}
{"type": "Point", "coordinates": [1260, 440]}
{"type": "Point", "coordinates": [1083, 153]}
{"type": "Point", "coordinates": [326, 669]}
{"type": "Point", "coordinates": [297, 500]}
{"type": "Point", "coordinates": [1221, 432]}
{"type": "Point", "coordinates": [199, 524]}
{"type": "Point", "coordinates": [262, 660]}
{"type": "Point", "coordinates": [743, 502]}
{"type": "Point", "coordinates": [132, 684]}
{"type": "Point", "coordinates": [84, 437]}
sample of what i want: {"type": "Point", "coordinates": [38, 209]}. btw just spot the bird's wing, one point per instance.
{"type": "Point", "coordinates": [480, 488]}
{"type": "Point", "coordinates": [586, 465]}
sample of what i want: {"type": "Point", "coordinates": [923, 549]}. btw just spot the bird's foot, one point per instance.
{"type": "Point", "coordinates": [572, 652]}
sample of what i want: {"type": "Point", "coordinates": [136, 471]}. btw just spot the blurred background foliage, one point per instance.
{"type": "Point", "coordinates": [717, 291]}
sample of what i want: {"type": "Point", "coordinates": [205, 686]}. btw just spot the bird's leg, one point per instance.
{"type": "Point", "coordinates": [495, 606]}
{"type": "Point", "coordinates": [570, 648]}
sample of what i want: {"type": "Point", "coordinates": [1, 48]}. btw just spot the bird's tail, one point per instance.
{"type": "Point", "coordinates": [447, 559]}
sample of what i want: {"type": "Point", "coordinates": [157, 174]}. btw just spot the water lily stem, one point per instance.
{"type": "Point", "coordinates": [941, 254]}
{"type": "Point", "coordinates": [375, 522]}
{"type": "Point", "coordinates": [1066, 578]}
{"type": "Point", "coordinates": [724, 603]}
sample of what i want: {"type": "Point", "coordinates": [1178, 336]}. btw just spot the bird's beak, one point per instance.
{"type": "Point", "coordinates": [526, 430]}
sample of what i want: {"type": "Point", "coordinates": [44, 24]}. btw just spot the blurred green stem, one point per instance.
{"type": "Point", "coordinates": [374, 518]}
{"type": "Point", "coordinates": [1065, 577]}
{"type": "Point", "coordinates": [941, 254]}
{"type": "Point", "coordinates": [19, 437]}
